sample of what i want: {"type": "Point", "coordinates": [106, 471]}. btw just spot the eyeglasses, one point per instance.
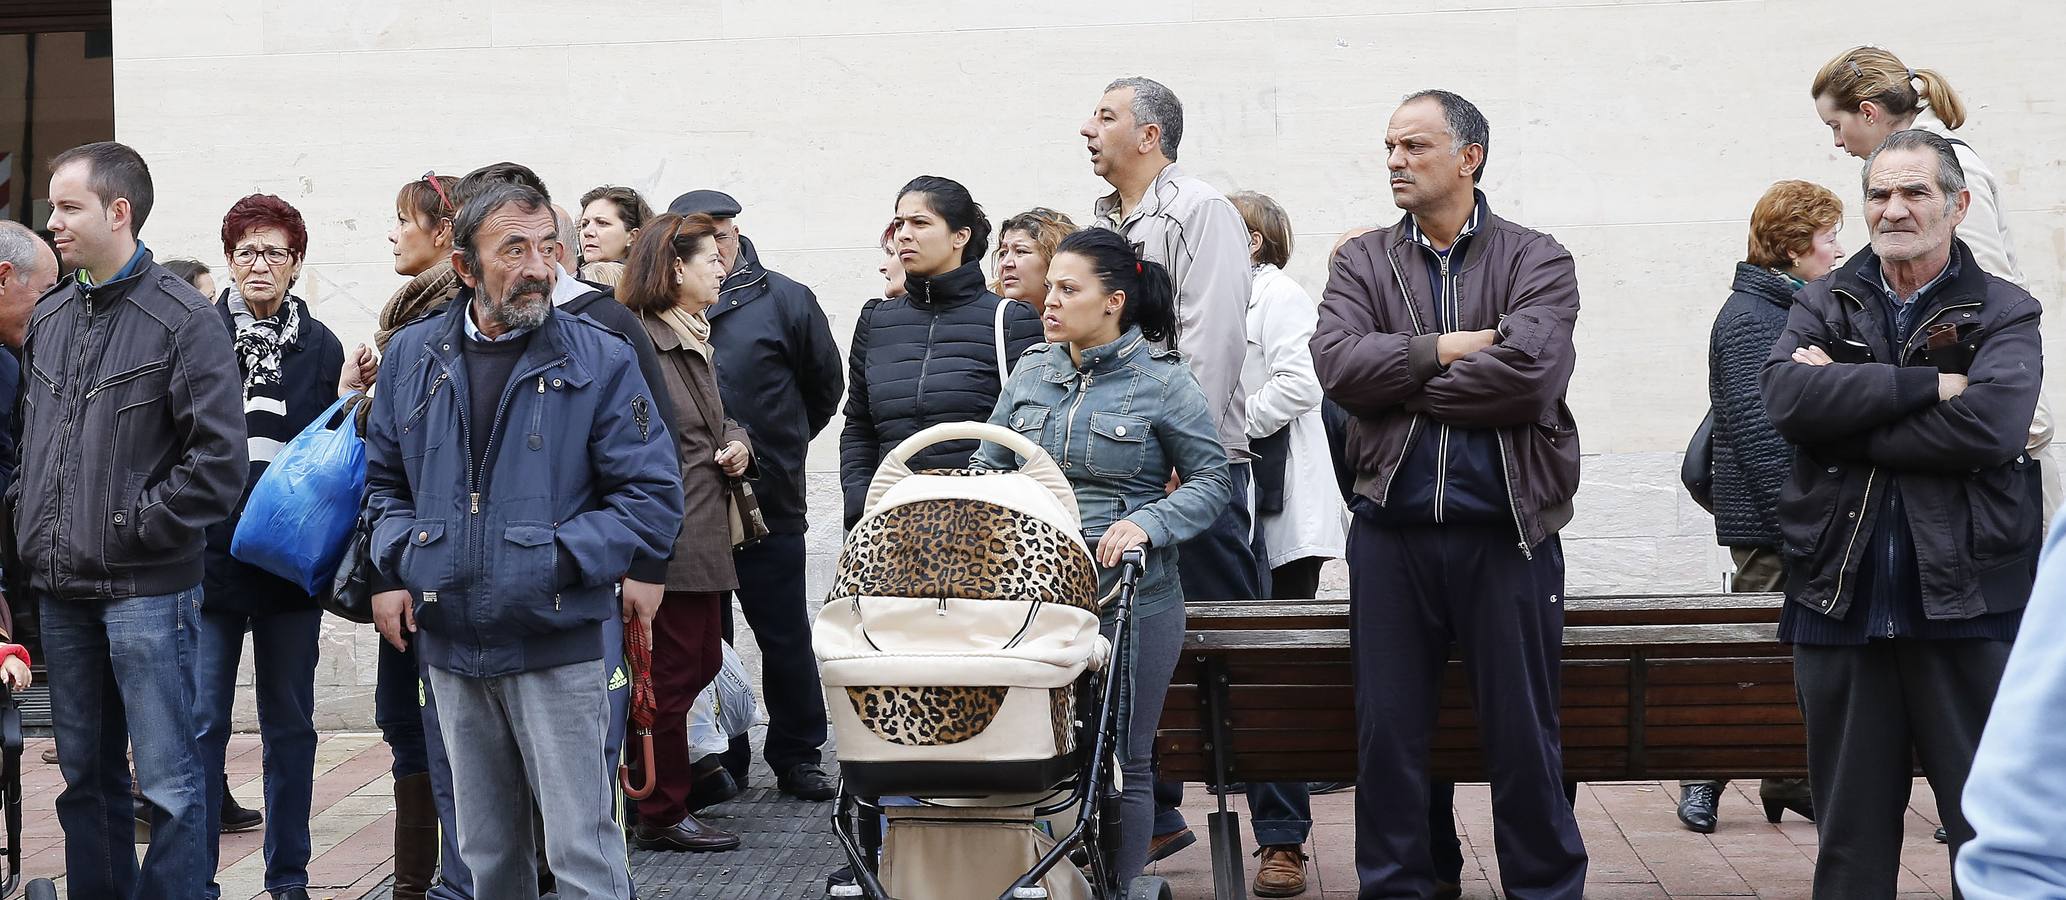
{"type": "Point", "coordinates": [431, 177]}
{"type": "Point", "coordinates": [274, 256]}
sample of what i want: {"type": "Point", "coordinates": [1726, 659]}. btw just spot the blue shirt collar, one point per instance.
{"type": "Point", "coordinates": [1879, 278]}
{"type": "Point", "coordinates": [473, 332]}
{"type": "Point", "coordinates": [129, 268]}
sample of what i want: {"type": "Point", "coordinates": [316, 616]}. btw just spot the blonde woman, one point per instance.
{"type": "Point", "coordinates": [1024, 245]}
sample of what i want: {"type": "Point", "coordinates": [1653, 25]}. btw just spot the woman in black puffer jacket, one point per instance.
{"type": "Point", "coordinates": [940, 352]}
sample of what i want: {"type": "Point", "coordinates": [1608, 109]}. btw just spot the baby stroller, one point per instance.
{"type": "Point", "coordinates": [11, 802]}
{"type": "Point", "coordinates": [974, 701]}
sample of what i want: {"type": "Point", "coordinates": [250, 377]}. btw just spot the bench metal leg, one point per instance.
{"type": "Point", "coordinates": [1229, 877]}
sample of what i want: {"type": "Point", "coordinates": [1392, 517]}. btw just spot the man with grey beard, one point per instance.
{"type": "Point", "coordinates": [516, 465]}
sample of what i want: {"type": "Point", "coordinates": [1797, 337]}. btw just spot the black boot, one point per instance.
{"type": "Point", "coordinates": [416, 837]}
{"type": "Point", "coordinates": [1697, 806]}
{"type": "Point", "coordinates": [234, 816]}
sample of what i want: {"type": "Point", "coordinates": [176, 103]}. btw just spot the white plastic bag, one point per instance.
{"type": "Point", "coordinates": [724, 710]}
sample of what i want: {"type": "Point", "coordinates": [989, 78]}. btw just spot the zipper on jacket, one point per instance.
{"type": "Point", "coordinates": [1384, 491]}
{"type": "Point", "coordinates": [1446, 317]}
{"type": "Point", "coordinates": [1513, 500]}
{"type": "Point", "coordinates": [1069, 421]}
{"type": "Point", "coordinates": [1844, 564]}
{"type": "Point", "coordinates": [925, 362]}
{"type": "Point", "coordinates": [74, 404]}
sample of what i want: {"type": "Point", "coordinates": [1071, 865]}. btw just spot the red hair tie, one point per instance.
{"type": "Point", "coordinates": [1137, 269]}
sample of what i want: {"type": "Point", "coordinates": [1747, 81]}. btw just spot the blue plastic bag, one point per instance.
{"type": "Point", "coordinates": [299, 516]}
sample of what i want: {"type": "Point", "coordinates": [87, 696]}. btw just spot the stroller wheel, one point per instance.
{"type": "Point", "coordinates": [40, 889]}
{"type": "Point", "coordinates": [1148, 887]}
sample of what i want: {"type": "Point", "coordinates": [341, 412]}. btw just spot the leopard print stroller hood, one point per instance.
{"type": "Point", "coordinates": [963, 613]}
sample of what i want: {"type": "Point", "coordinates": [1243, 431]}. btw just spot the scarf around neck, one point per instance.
{"type": "Point", "coordinates": [260, 345]}
{"type": "Point", "coordinates": [691, 328]}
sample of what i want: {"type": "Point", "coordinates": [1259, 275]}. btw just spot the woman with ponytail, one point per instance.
{"type": "Point", "coordinates": [1119, 414]}
{"type": "Point", "coordinates": [1866, 94]}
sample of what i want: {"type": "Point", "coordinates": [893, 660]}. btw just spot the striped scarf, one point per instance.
{"type": "Point", "coordinates": [260, 344]}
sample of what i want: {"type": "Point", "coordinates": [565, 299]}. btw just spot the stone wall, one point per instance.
{"type": "Point", "coordinates": [1639, 133]}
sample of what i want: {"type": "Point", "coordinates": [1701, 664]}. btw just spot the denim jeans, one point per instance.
{"type": "Point", "coordinates": [534, 737]}
{"type": "Point", "coordinates": [407, 713]}
{"type": "Point", "coordinates": [284, 654]}
{"type": "Point", "coordinates": [121, 673]}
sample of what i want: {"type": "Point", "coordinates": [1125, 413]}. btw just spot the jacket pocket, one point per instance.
{"type": "Point", "coordinates": [426, 558]}
{"type": "Point", "coordinates": [122, 540]}
{"type": "Point", "coordinates": [1118, 444]}
{"type": "Point", "coordinates": [1808, 505]}
{"type": "Point", "coordinates": [1031, 422]}
{"type": "Point", "coordinates": [2007, 503]}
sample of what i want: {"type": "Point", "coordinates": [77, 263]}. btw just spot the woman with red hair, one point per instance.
{"type": "Point", "coordinates": [290, 365]}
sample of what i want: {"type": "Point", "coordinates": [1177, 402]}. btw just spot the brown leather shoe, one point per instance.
{"type": "Point", "coordinates": [1282, 873]}
{"type": "Point", "coordinates": [1164, 846]}
{"type": "Point", "coordinates": [688, 835]}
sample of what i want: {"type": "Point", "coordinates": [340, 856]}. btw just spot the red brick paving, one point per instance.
{"type": "Point", "coordinates": [1638, 849]}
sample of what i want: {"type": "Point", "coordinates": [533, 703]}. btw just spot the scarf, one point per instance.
{"type": "Point", "coordinates": [260, 344]}
{"type": "Point", "coordinates": [691, 328]}
{"type": "Point", "coordinates": [425, 294]}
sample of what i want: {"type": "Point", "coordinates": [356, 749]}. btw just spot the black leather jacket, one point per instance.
{"type": "Point", "coordinates": [133, 439]}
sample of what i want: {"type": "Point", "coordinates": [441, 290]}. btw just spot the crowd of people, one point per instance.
{"type": "Point", "coordinates": [588, 428]}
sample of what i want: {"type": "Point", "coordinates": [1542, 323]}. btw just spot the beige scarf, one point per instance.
{"type": "Point", "coordinates": [692, 329]}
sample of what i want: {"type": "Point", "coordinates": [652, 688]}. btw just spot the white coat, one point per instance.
{"type": "Point", "coordinates": [1986, 232]}
{"type": "Point", "coordinates": [1314, 521]}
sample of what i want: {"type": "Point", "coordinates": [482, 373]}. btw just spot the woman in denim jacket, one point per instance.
{"type": "Point", "coordinates": [1119, 415]}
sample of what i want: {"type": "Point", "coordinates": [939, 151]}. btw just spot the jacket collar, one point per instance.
{"type": "Point", "coordinates": [1962, 280]}
{"type": "Point", "coordinates": [1161, 192]}
{"type": "Point", "coordinates": [946, 290]}
{"type": "Point", "coordinates": [1099, 360]}
{"type": "Point", "coordinates": [1480, 211]}
{"type": "Point", "coordinates": [737, 289]}
{"type": "Point", "coordinates": [128, 277]}
{"type": "Point", "coordinates": [1766, 284]}
{"type": "Point", "coordinates": [548, 346]}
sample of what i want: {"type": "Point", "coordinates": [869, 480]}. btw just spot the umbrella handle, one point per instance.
{"type": "Point", "coordinates": [645, 790]}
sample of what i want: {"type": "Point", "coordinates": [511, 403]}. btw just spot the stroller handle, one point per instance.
{"type": "Point", "coordinates": [1131, 565]}
{"type": "Point", "coordinates": [1039, 466]}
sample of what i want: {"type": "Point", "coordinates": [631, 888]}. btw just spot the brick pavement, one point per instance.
{"type": "Point", "coordinates": [1638, 849]}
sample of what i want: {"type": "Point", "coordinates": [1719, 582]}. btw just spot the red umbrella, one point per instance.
{"type": "Point", "coordinates": [638, 651]}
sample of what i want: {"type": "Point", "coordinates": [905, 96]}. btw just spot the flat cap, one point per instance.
{"type": "Point", "coordinates": [715, 204]}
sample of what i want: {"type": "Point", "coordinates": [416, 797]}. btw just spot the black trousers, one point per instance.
{"type": "Point", "coordinates": [771, 593]}
{"type": "Point", "coordinates": [1413, 591]}
{"type": "Point", "coordinates": [1871, 711]}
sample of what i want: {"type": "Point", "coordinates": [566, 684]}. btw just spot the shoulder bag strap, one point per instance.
{"type": "Point", "coordinates": [997, 329]}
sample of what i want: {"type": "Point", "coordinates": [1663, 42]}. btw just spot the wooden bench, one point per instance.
{"type": "Point", "coordinates": [1660, 686]}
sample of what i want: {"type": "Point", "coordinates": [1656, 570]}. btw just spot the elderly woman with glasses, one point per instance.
{"type": "Point", "coordinates": [289, 363]}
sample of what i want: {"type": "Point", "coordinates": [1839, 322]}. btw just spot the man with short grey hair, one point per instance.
{"type": "Point", "coordinates": [1905, 381]}
{"type": "Point", "coordinates": [1190, 228]}
{"type": "Point", "coordinates": [27, 270]}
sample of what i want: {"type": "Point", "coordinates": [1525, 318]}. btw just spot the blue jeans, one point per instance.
{"type": "Point", "coordinates": [398, 710]}
{"type": "Point", "coordinates": [121, 673]}
{"type": "Point", "coordinates": [284, 652]}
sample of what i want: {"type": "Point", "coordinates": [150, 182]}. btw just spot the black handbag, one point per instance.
{"type": "Point", "coordinates": [1272, 458]}
{"type": "Point", "coordinates": [351, 591]}
{"type": "Point", "coordinates": [1697, 471]}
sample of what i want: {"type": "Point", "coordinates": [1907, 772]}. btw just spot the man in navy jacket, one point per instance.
{"type": "Point", "coordinates": [516, 465]}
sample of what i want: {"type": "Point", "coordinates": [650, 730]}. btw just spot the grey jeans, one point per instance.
{"type": "Point", "coordinates": [531, 735]}
{"type": "Point", "coordinates": [1158, 641]}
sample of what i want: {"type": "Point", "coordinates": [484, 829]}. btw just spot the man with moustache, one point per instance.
{"type": "Point", "coordinates": [1448, 338]}
{"type": "Point", "coordinates": [516, 466]}
{"type": "Point", "coordinates": [1911, 521]}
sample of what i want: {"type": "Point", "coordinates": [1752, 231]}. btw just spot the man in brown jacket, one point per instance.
{"type": "Point", "coordinates": [1448, 337]}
